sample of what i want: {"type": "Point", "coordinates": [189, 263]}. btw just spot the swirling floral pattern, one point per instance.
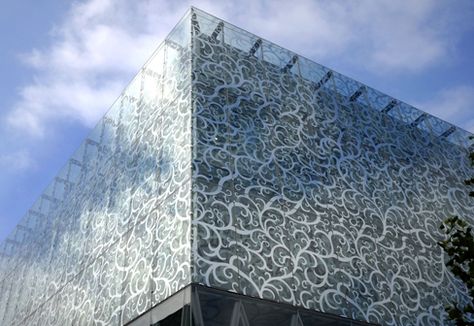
{"type": "Point", "coordinates": [304, 193]}
{"type": "Point", "coordinates": [110, 237]}
{"type": "Point", "coordinates": [233, 163]}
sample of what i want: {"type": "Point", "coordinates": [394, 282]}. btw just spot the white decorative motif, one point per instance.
{"type": "Point", "coordinates": [110, 237]}
{"type": "Point", "coordinates": [233, 163]}
{"type": "Point", "coordinates": [305, 194]}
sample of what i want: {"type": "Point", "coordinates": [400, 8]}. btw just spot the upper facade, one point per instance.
{"type": "Point", "coordinates": [235, 164]}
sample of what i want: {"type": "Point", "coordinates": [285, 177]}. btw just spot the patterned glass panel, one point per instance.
{"type": "Point", "coordinates": [234, 163]}
{"type": "Point", "coordinates": [313, 189]}
{"type": "Point", "coordinates": [95, 248]}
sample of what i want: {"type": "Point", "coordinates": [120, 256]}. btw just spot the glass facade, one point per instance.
{"type": "Point", "coordinates": [232, 163]}
{"type": "Point", "coordinates": [110, 236]}
{"type": "Point", "coordinates": [198, 306]}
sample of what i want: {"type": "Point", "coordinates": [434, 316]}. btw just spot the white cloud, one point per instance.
{"type": "Point", "coordinates": [75, 99]}
{"type": "Point", "coordinates": [381, 35]}
{"type": "Point", "coordinates": [102, 43]}
{"type": "Point", "coordinates": [17, 161]}
{"type": "Point", "coordinates": [455, 105]}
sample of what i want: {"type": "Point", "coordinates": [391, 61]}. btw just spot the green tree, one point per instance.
{"type": "Point", "coordinates": [459, 246]}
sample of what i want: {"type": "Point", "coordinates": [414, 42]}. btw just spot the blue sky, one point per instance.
{"type": "Point", "coordinates": [63, 63]}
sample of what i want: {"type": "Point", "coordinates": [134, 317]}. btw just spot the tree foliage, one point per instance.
{"type": "Point", "coordinates": [459, 246]}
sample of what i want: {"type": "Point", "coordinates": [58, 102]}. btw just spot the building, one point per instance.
{"type": "Point", "coordinates": [236, 183]}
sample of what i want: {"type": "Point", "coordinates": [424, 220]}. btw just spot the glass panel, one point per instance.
{"type": "Point", "coordinates": [307, 188]}
{"type": "Point", "coordinates": [172, 320]}
{"type": "Point", "coordinates": [216, 309]}
{"type": "Point", "coordinates": [378, 101]}
{"type": "Point", "coordinates": [311, 71]}
{"type": "Point", "coordinates": [136, 288]}
{"type": "Point", "coordinates": [243, 42]}
{"type": "Point", "coordinates": [260, 314]}
{"type": "Point", "coordinates": [181, 33]}
{"type": "Point", "coordinates": [275, 55]}
{"type": "Point", "coordinates": [407, 113]}
{"type": "Point", "coordinates": [305, 180]}
{"type": "Point", "coordinates": [345, 87]}
{"type": "Point", "coordinates": [170, 251]}
{"type": "Point", "coordinates": [102, 198]}
{"type": "Point", "coordinates": [221, 308]}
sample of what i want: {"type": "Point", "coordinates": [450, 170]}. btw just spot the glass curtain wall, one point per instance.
{"type": "Point", "coordinates": [312, 189]}
{"type": "Point", "coordinates": [110, 236]}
